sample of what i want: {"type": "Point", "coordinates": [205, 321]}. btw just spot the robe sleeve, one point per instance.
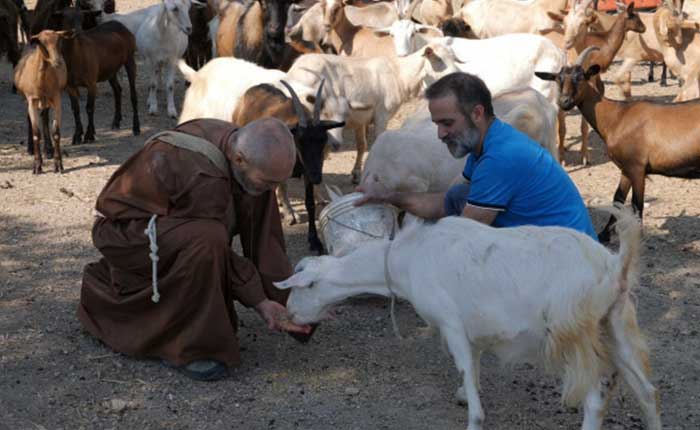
{"type": "Point", "coordinates": [246, 284]}
{"type": "Point", "coordinates": [262, 240]}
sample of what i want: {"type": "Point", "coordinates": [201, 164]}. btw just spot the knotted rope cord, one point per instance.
{"type": "Point", "coordinates": [150, 231]}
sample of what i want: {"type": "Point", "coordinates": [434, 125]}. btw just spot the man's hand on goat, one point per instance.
{"type": "Point", "coordinates": [374, 192]}
{"type": "Point", "coordinates": [276, 317]}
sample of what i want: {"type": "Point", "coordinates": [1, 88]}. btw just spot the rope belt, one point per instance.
{"type": "Point", "coordinates": [150, 231]}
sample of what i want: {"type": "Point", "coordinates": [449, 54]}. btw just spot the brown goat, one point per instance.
{"type": "Point", "coordinates": [41, 76]}
{"type": "Point", "coordinates": [310, 136]}
{"type": "Point", "coordinates": [93, 56]}
{"type": "Point", "coordinates": [641, 137]}
{"type": "Point", "coordinates": [609, 43]}
{"type": "Point", "coordinates": [349, 39]}
{"type": "Point", "coordinates": [253, 31]}
{"type": "Point", "coordinates": [45, 17]}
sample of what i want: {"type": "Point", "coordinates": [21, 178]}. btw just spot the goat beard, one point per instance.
{"type": "Point", "coordinates": [463, 143]}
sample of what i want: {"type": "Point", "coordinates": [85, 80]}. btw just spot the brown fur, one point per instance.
{"type": "Point", "coordinates": [41, 76]}
{"type": "Point", "coordinates": [352, 40]}
{"type": "Point", "coordinates": [95, 56]}
{"type": "Point", "coordinates": [227, 33]}
{"type": "Point", "coordinates": [641, 137]}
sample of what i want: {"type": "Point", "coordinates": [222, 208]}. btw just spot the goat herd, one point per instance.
{"type": "Point", "coordinates": [321, 67]}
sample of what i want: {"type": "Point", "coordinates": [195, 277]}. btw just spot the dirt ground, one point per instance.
{"type": "Point", "coordinates": [354, 374]}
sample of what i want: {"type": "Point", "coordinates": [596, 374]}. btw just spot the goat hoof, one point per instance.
{"type": "Point", "coordinates": [37, 170]}
{"type": "Point", "coordinates": [58, 168]}
{"type": "Point", "coordinates": [292, 220]}
{"type": "Point", "coordinates": [115, 126]}
{"type": "Point", "coordinates": [89, 137]}
{"type": "Point", "coordinates": [77, 139]}
{"type": "Point", "coordinates": [355, 177]}
{"type": "Point", "coordinates": [49, 154]}
{"type": "Point", "coordinates": [136, 131]}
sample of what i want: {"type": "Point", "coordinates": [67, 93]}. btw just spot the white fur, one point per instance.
{"type": "Point", "coordinates": [541, 294]}
{"type": "Point", "coordinates": [375, 88]}
{"type": "Point", "coordinates": [490, 18]}
{"type": "Point", "coordinates": [213, 93]}
{"type": "Point", "coordinates": [161, 37]}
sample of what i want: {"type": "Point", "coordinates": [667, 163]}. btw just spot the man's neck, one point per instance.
{"type": "Point", "coordinates": [483, 130]}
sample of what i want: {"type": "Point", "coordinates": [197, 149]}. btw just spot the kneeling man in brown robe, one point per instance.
{"type": "Point", "coordinates": [195, 187]}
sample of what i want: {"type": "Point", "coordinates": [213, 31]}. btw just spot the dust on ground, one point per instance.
{"type": "Point", "coordinates": [354, 374]}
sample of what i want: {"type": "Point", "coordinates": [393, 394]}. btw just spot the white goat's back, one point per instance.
{"type": "Point", "coordinates": [218, 85]}
{"type": "Point", "coordinates": [508, 62]}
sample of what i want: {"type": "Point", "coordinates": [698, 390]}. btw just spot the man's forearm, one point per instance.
{"type": "Point", "coordinates": [424, 205]}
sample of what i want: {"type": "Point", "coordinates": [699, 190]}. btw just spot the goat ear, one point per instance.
{"type": "Point", "coordinates": [555, 16]}
{"type": "Point", "coordinates": [592, 71]}
{"type": "Point", "coordinates": [301, 278]}
{"type": "Point", "coordinates": [630, 7]}
{"type": "Point", "coordinates": [546, 76]}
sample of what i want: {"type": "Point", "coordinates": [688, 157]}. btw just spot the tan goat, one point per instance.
{"type": "Point", "coordinates": [41, 77]}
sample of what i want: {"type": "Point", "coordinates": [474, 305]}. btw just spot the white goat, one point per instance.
{"type": "Point", "coordinates": [506, 62]}
{"type": "Point", "coordinates": [213, 93]}
{"type": "Point", "coordinates": [412, 158]}
{"type": "Point", "coordinates": [161, 37]}
{"type": "Point", "coordinates": [489, 18]}
{"type": "Point", "coordinates": [375, 88]}
{"type": "Point", "coordinates": [547, 295]}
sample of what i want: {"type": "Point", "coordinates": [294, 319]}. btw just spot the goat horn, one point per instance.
{"type": "Point", "coordinates": [317, 103]}
{"type": "Point", "coordinates": [298, 107]}
{"type": "Point", "coordinates": [584, 55]}
{"type": "Point", "coordinates": [411, 8]}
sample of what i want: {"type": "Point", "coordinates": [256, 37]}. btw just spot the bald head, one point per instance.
{"type": "Point", "coordinates": [262, 153]}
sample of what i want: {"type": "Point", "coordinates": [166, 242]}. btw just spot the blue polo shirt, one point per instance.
{"type": "Point", "coordinates": [520, 179]}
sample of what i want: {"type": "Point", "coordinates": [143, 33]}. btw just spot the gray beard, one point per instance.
{"type": "Point", "coordinates": [242, 180]}
{"type": "Point", "coordinates": [464, 143]}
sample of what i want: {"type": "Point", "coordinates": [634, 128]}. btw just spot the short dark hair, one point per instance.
{"type": "Point", "coordinates": [469, 89]}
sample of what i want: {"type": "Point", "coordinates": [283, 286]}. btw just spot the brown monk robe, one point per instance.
{"type": "Point", "coordinates": [199, 275]}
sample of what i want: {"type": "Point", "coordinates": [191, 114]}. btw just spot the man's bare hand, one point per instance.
{"type": "Point", "coordinates": [374, 192]}
{"type": "Point", "coordinates": [276, 317]}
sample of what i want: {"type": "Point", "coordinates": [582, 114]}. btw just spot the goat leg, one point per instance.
{"type": "Point", "coordinates": [131, 74]}
{"type": "Point", "coordinates": [117, 90]}
{"type": "Point", "coordinates": [650, 78]}
{"type": "Point", "coordinates": [460, 349]}
{"type": "Point", "coordinates": [561, 125]}
{"type": "Point", "coordinates": [56, 135]}
{"type": "Point", "coordinates": [623, 188]}
{"type": "Point", "coordinates": [75, 107]}
{"type": "Point", "coordinates": [310, 203]}
{"type": "Point", "coordinates": [154, 68]}
{"type": "Point", "coordinates": [288, 213]}
{"type": "Point", "coordinates": [36, 137]}
{"type": "Point", "coordinates": [664, 70]}
{"type": "Point", "coordinates": [90, 108]}
{"type": "Point", "coordinates": [30, 135]}
{"type": "Point", "coordinates": [361, 144]}
{"type": "Point", "coordinates": [170, 89]}
{"type": "Point", "coordinates": [48, 146]}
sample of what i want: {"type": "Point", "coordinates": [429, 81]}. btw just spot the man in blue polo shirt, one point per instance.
{"type": "Point", "coordinates": [509, 180]}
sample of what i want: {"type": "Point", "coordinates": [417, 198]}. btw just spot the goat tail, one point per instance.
{"type": "Point", "coordinates": [629, 230]}
{"type": "Point", "coordinates": [188, 72]}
